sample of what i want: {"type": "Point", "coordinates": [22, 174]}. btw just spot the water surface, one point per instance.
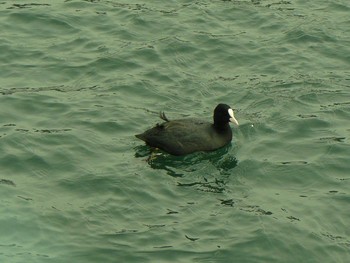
{"type": "Point", "coordinates": [80, 78]}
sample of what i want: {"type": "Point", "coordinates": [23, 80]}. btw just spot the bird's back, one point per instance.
{"type": "Point", "coordinates": [184, 136]}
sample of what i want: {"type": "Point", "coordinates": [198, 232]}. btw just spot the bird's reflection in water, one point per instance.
{"type": "Point", "coordinates": [206, 171]}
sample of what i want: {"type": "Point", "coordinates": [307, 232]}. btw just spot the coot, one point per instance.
{"type": "Point", "coordinates": [184, 136]}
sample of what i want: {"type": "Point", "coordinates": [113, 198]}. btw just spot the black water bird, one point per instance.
{"type": "Point", "coordinates": [184, 136]}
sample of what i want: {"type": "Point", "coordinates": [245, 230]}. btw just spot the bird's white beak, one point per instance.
{"type": "Point", "coordinates": [232, 117]}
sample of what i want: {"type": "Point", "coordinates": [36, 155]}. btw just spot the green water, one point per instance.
{"type": "Point", "coordinates": [80, 78]}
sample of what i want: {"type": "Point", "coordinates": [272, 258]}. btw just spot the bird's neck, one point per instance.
{"type": "Point", "coordinates": [221, 127]}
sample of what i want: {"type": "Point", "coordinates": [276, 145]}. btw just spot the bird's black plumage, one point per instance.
{"type": "Point", "coordinates": [184, 136]}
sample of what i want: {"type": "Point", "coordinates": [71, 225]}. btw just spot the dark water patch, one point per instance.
{"type": "Point", "coordinates": [333, 191]}
{"type": "Point", "coordinates": [48, 131]}
{"type": "Point", "coordinates": [217, 186]}
{"type": "Point", "coordinates": [227, 202]}
{"type": "Point", "coordinates": [206, 172]}
{"type": "Point", "coordinates": [171, 212]}
{"type": "Point", "coordinates": [307, 116]}
{"type": "Point", "coordinates": [7, 182]}
{"type": "Point", "coordinates": [60, 88]}
{"type": "Point", "coordinates": [126, 231]}
{"type": "Point", "coordinates": [292, 218]}
{"type": "Point", "coordinates": [255, 209]}
{"type": "Point", "coordinates": [294, 162]}
{"type": "Point", "coordinates": [192, 238]}
{"type": "Point", "coordinates": [280, 5]}
{"type": "Point", "coordinates": [337, 239]}
{"type": "Point", "coordinates": [30, 5]}
{"type": "Point", "coordinates": [343, 179]}
{"type": "Point", "coordinates": [25, 198]}
{"type": "Point", "coordinates": [157, 159]}
{"type": "Point", "coordinates": [333, 138]}
{"type": "Point", "coordinates": [52, 130]}
{"type": "Point", "coordinates": [335, 105]}
{"type": "Point", "coordinates": [164, 247]}
{"type": "Point", "coordinates": [22, 130]}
